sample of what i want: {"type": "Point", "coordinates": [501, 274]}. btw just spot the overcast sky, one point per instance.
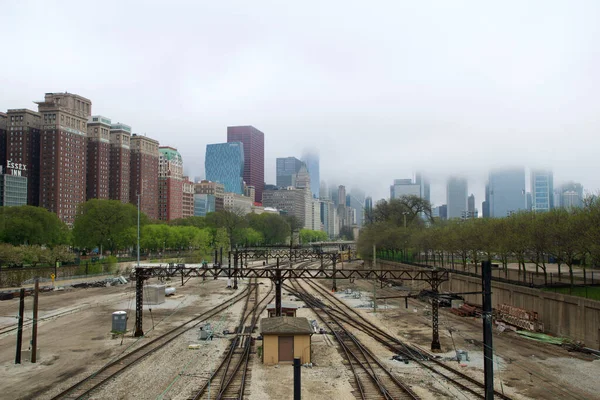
{"type": "Point", "coordinates": [381, 88]}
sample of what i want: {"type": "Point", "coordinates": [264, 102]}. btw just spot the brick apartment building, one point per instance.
{"type": "Point", "coordinates": [120, 171]}
{"type": "Point", "coordinates": [170, 184]}
{"type": "Point", "coordinates": [63, 153]}
{"type": "Point", "coordinates": [21, 145]}
{"type": "Point", "coordinates": [144, 174]}
{"type": "Point", "coordinates": [98, 157]}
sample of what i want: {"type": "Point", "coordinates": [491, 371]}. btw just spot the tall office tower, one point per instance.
{"type": "Point", "coordinates": [224, 163]}
{"type": "Point", "coordinates": [63, 153]}
{"type": "Point", "coordinates": [423, 183]}
{"type": "Point", "coordinates": [529, 201]}
{"type": "Point", "coordinates": [333, 193]}
{"type": "Point", "coordinates": [120, 162]}
{"type": "Point", "coordinates": [187, 209]}
{"type": "Point", "coordinates": [341, 195]}
{"type": "Point", "coordinates": [208, 197]}
{"type": "Point", "coordinates": [485, 205]}
{"type": "Point", "coordinates": [311, 159]}
{"type": "Point", "coordinates": [98, 157]}
{"type": "Point", "coordinates": [254, 155]}
{"type": "Point", "coordinates": [456, 197]}
{"type": "Point", "coordinates": [506, 192]}
{"type": "Point", "coordinates": [22, 146]}
{"type": "Point", "coordinates": [368, 208]}
{"type": "Point", "coordinates": [170, 184]}
{"type": "Point", "coordinates": [471, 204]}
{"type": "Point", "coordinates": [287, 168]}
{"type": "Point", "coordinates": [324, 191]}
{"type": "Point", "coordinates": [569, 195]}
{"type": "Point", "coordinates": [3, 120]}
{"type": "Point", "coordinates": [143, 179]}
{"type": "Point", "coordinates": [404, 187]}
{"type": "Point", "coordinates": [303, 178]}
{"type": "Point", "coordinates": [542, 190]}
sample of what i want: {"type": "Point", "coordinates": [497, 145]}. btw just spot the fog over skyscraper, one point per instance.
{"type": "Point", "coordinates": [311, 159]}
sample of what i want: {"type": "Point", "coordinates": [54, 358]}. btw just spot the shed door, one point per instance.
{"type": "Point", "coordinates": [286, 348]}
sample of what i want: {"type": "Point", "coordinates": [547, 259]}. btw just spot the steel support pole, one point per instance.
{"type": "Point", "coordinates": [435, 337]}
{"type": "Point", "coordinates": [334, 287]}
{"type": "Point", "coordinates": [35, 321]}
{"type": "Point", "coordinates": [236, 260]}
{"type": "Point", "coordinates": [139, 303]}
{"type": "Point", "coordinates": [278, 290]}
{"type": "Point", "coordinates": [488, 360]}
{"type": "Point", "coordinates": [20, 326]}
{"type": "Point", "coordinates": [297, 375]}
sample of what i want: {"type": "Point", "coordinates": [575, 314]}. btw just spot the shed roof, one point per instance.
{"type": "Point", "coordinates": [277, 325]}
{"type": "Point", "coordinates": [283, 305]}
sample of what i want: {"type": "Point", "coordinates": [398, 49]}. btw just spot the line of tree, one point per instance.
{"type": "Point", "coordinates": [567, 237]}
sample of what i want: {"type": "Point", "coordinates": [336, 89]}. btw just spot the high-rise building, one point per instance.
{"type": "Point", "coordinates": [506, 192]}
{"type": "Point", "coordinates": [569, 195]}
{"type": "Point", "coordinates": [324, 191]}
{"type": "Point", "coordinates": [224, 163]}
{"type": "Point", "coordinates": [143, 179]}
{"type": "Point", "coordinates": [290, 201]}
{"type": "Point", "coordinates": [311, 159]}
{"type": "Point", "coordinates": [485, 205]}
{"type": "Point", "coordinates": [328, 218]}
{"type": "Point", "coordinates": [3, 121]}
{"type": "Point", "coordinates": [424, 185]}
{"type": "Point", "coordinates": [286, 171]}
{"type": "Point", "coordinates": [471, 204]}
{"type": "Point", "coordinates": [404, 187]}
{"type": "Point", "coordinates": [187, 209]}
{"type": "Point", "coordinates": [529, 201]}
{"type": "Point", "coordinates": [341, 195]}
{"type": "Point", "coordinates": [542, 190]}
{"type": "Point", "coordinates": [120, 162]}
{"type": "Point", "coordinates": [250, 191]}
{"type": "Point", "coordinates": [303, 178]}
{"type": "Point", "coordinates": [63, 153]}
{"type": "Point", "coordinates": [208, 197]}
{"type": "Point", "coordinates": [98, 157]}
{"type": "Point", "coordinates": [456, 197]}
{"type": "Point", "coordinates": [21, 145]}
{"type": "Point", "coordinates": [170, 184]}
{"type": "Point", "coordinates": [254, 155]}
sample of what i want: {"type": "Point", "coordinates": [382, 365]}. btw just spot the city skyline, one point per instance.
{"type": "Point", "coordinates": [458, 101]}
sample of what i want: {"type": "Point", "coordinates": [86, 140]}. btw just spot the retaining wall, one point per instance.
{"type": "Point", "coordinates": [575, 317]}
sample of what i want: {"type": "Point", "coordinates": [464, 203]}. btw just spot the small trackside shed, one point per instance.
{"type": "Point", "coordinates": [287, 310]}
{"type": "Point", "coordinates": [285, 338]}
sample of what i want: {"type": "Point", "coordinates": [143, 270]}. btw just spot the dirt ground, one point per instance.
{"type": "Point", "coordinates": [78, 342]}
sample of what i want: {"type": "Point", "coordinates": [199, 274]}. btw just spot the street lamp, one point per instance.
{"type": "Point", "coordinates": [404, 214]}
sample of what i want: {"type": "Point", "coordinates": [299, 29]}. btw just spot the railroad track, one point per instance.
{"type": "Point", "coordinates": [372, 380]}
{"type": "Point", "coordinates": [229, 379]}
{"type": "Point", "coordinates": [85, 387]}
{"type": "Point", "coordinates": [351, 317]}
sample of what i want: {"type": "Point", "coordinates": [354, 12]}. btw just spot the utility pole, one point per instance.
{"type": "Point", "coordinates": [277, 290]}
{"type": "Point", "coordinates": [138, 232]}
{"type": "Point", "coordinates": [20, 325]}
{"type": "Point", "coordinates": [139, 302]}
{"type": "Point", "coordinates": [488, 361]}
{"type": "Point", "coordinates": [35, 321]}
{"type": "Point", "coordinates": [375, 281]}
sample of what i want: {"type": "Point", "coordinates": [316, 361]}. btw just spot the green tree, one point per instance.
{"type": "Point", "coordinates": [310, 236]}
{"type": "Point", "coordinates": [102, 223]}
{"type": "Point", "coordinates": [273, 227]}
{"type": "Point", "coordinates": [31, 225]}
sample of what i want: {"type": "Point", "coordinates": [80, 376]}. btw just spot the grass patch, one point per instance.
{"type": "Point", "coordinates": [590, 292]}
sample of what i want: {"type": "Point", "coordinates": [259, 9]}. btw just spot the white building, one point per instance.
{"type": "Point", "coordinates": [238, 203]}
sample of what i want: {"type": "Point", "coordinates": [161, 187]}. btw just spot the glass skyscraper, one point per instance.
{"type": "Point", "coordinates": [542, 190]}
{"type": "Point", "coordinates": [224, 163]}
{"type": "Point", "coordinates": [254, 156]}
{"type": "Point", "coordinates": [287, 168]}
{"type": "Point", "coordinates": [456, 197]}
{"type": "Point", "coordinates": [506, 192]}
